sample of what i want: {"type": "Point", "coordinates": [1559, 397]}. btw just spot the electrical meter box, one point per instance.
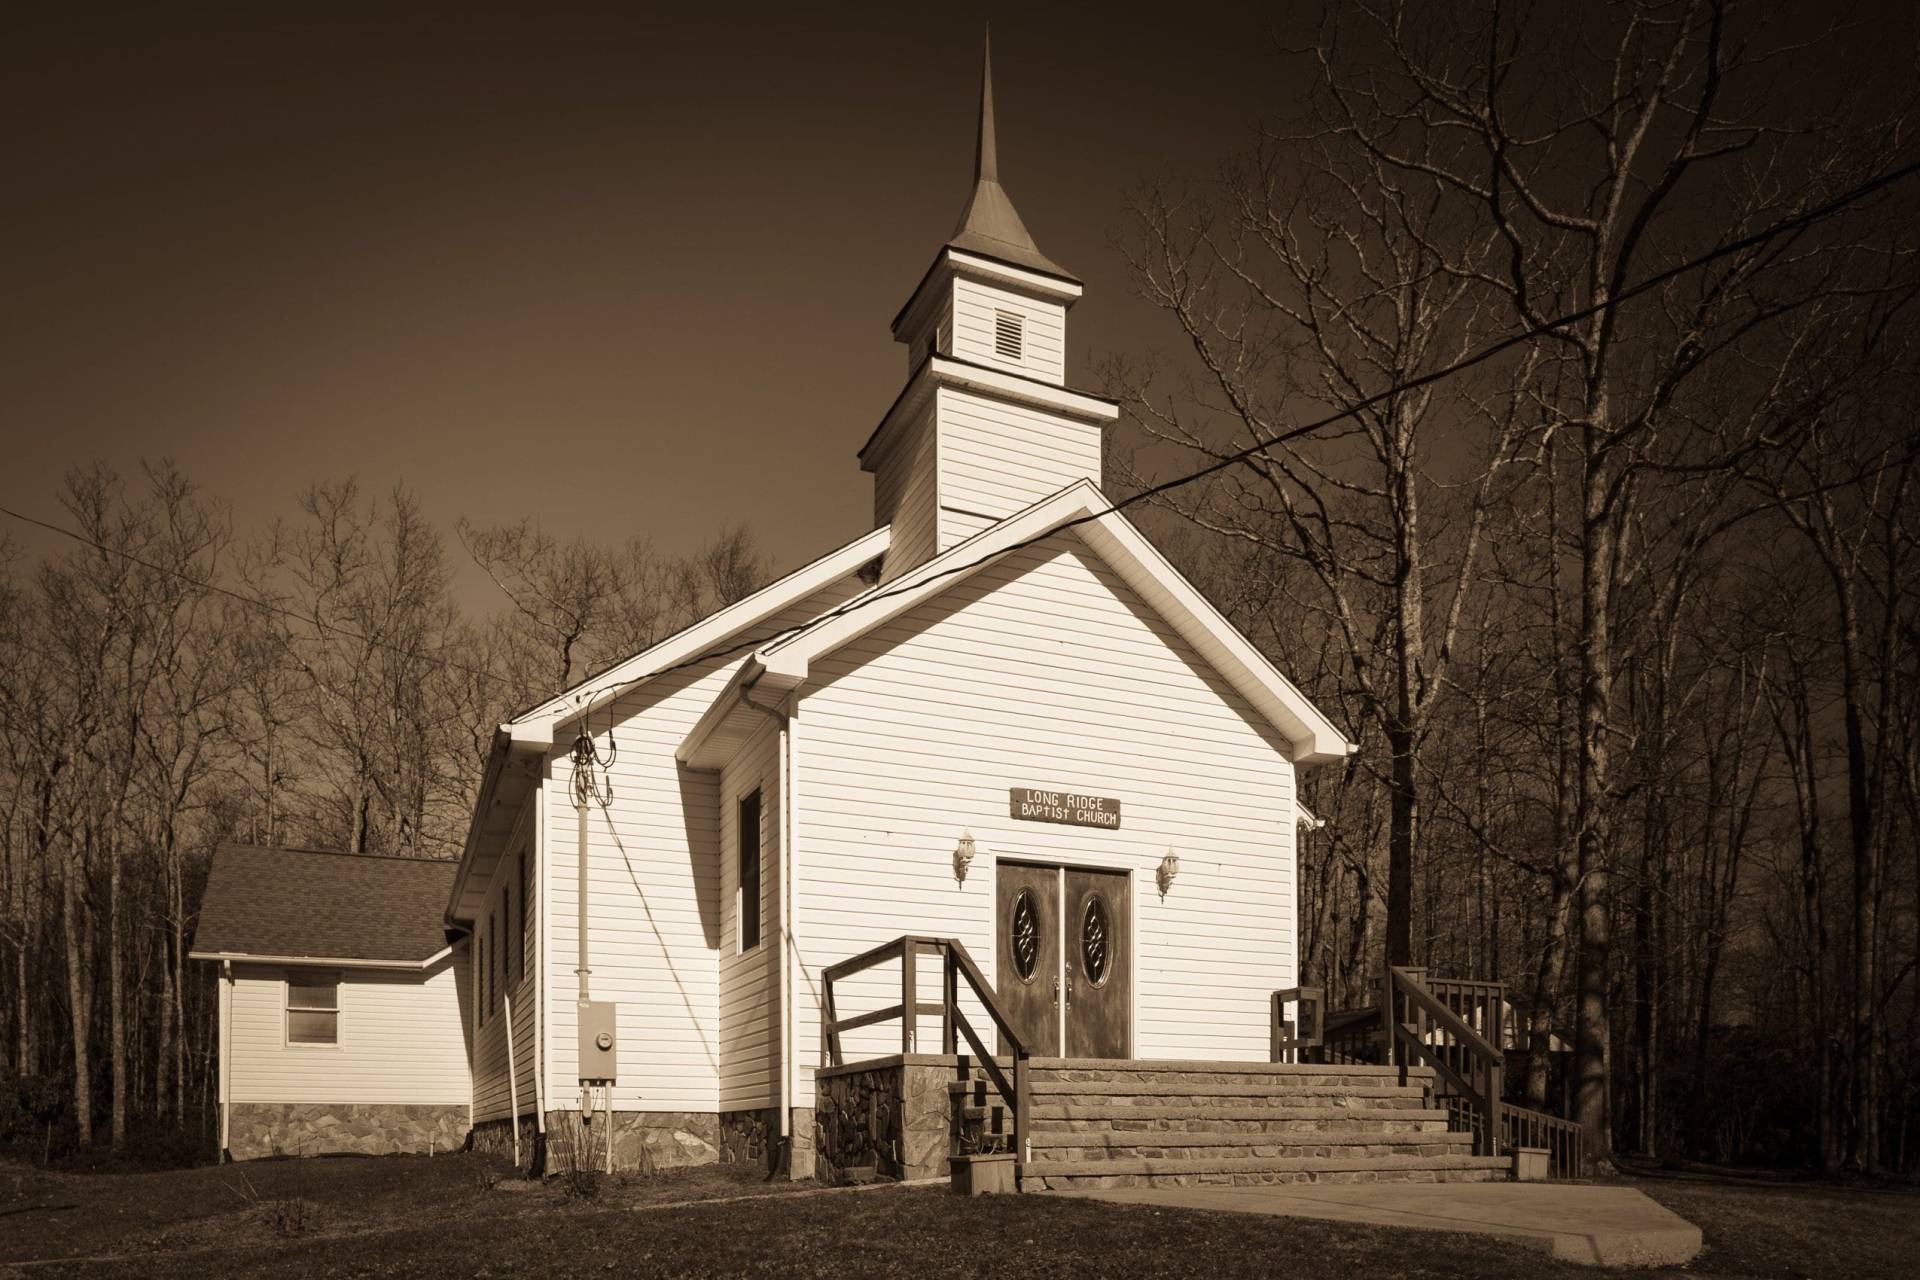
{"type": "Point", "coordinates": [599, 1040]}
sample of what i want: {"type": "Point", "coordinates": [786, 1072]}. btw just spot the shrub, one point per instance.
{"type": "Point", "coordinates": [296, 1217]}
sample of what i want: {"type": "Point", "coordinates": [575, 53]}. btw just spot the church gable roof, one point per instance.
{"type": "Point", "coordinates": [786, 663]}
{"type": "Point", "coordinates": [716, 628]}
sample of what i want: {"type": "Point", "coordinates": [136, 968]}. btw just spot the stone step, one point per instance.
{"type": "Point", "coordinates": [1156, 1093]}
{"type": "Point", "coordinates": [1200, 1070]}
{"type": "Point", "coordinates": [1095, 1144]}
{"type": "Point", "coordinates": [1214, 1065]}
{"type": "Point", "coordinates": [1043, 1174]}
{"type": "Point", "coordinates": [1252, 1119]}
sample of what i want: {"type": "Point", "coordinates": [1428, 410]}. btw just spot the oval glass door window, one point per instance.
{"type": "Point", "coordinates": [1024, 933]}
{"type": "Point", "coordinates": [1096, 940]}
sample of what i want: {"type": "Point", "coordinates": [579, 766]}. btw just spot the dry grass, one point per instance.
{"type": "Point", "coordinates": [405, 1216]}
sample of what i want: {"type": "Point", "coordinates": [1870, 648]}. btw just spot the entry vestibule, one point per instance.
{"type": "Point", "coordinates": [1064, 954]}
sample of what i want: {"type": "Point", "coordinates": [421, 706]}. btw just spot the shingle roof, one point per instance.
{"type": "Point", "coordinates": [335, 906]}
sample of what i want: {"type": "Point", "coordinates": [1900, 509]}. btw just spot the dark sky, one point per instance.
{"type": "Point", "coordinates": [618, 271]}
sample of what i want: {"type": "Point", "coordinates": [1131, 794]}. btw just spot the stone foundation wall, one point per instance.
{"type": "Point", "coordinates": [752, 1138]}
{"type": "Point", "coordinates": [258, 1129]}
{"type": "Point", "coordinates": [643, 1141]}
{"type": "Point", "coordinates": [496, 1138]}
{"type": "Point", "coordinates": [891, 1115]}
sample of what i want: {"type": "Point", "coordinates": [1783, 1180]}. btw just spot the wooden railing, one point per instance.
{"type": "Point", "coordinates": [956, 966]}
{"type": "Point", "coordinates": [1298, 1041]}
{"type": "Point", "coordinates": [1470, 1069]}
{"type": "Point", "coordinates": [1565, 1141]}
{"type": "Point", "coordinates": [1352, 1036]}
{"type": "Point", "coordinates": [1458, 1027]}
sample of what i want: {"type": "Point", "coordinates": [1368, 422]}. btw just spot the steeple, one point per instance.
{"type": "Point", "coordinates": [990, 225]}
{"type": "Point", "coordinates": [986, 425]}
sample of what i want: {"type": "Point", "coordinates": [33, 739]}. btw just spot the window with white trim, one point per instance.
{"type": "Point", "coordinates": [526, 895]}
{"type": "Point", "coordinates": [748, 836]}
{"type": "Point", "coordinates": [313, 1008]}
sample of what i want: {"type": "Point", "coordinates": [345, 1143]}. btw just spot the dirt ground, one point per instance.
{"type": "Point", "coordinates": [460, 1214]}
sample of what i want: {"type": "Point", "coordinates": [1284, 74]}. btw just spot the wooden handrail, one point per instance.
{"type": "Point", "coordinates": [1416, 991]}
{"type": "Point", "coordinates": [1464, 1060]}
{"type": "Point", "coordinates": [955, 1026]}
{"type": "Point", "coordinates": [1564, 1140]}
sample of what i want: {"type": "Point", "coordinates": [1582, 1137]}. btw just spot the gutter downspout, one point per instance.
{"type": "Point", "coordinates": [513, 1076]}
{"type": "Point", "coordinates": [789, 949]}
{"type": "Point", "coordinates": [538, 1169]}
{"type": "Point", "coordinates": [473, 1001]}
{"type": "Point", "coordinates": [226, 1061]}
{"type": "Point", "coordinates": [784, 1097]}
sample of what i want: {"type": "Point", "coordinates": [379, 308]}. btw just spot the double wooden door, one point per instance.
{"type": "Point", "coordinates": [1064, 958]}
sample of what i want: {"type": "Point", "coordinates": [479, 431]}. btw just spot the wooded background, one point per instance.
{"type": "Point", "coordinates": [1621, 617]}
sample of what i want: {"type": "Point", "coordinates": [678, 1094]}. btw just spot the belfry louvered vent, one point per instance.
{"type": "Point", "coordinates": [1007, 334]}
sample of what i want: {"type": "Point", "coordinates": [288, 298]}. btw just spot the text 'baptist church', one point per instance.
{"type": "Point", "coordinates": [1064, 806]}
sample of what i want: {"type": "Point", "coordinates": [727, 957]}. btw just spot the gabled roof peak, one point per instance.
{"type": "Point", "coordinates": [990, 225]}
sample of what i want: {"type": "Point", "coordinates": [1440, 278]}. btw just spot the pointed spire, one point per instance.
{"type": "Point", "coordinates": [986, 157]}
{"type": "Point", "coordinates": [990, 225]}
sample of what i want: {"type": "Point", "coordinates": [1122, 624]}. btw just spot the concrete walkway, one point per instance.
{"type": "Point", "coordinates": [1607, 1226]}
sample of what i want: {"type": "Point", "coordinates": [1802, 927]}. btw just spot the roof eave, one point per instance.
{"type": "Point", "coordinates": [936, 371]}
{"type": "Point", "coordinates": [556, 713]}
{"type": "Point", "coordinates": [1061, 288]}
{"type": "Point", "coordinates": [331, 962]}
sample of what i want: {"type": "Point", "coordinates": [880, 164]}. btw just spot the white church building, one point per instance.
{"type": "Point", "coordinates": [1001, 719]}
{"type": "Point", "coordinates": [1004, 667]}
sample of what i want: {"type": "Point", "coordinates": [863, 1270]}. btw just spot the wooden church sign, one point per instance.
{"type": "Point", "coordinates": [1069, 807]}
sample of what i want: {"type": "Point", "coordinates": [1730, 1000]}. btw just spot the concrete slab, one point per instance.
{"type": "Point", "coordinates": [1603, 1226]}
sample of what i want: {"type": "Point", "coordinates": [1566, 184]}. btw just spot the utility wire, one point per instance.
{"type": "Point", "coordinates": [1755, 239]}
{"type": "Point", "coordinates": [1496, 348]}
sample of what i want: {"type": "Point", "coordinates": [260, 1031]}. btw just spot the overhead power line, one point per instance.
{"type": "Point", "coordinates": [1490, 351]}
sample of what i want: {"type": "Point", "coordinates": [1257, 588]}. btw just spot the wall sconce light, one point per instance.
{"type": "Point", "coordinates": [962, 857]}
{"type": "Point", "coordinates": [1169, 868]}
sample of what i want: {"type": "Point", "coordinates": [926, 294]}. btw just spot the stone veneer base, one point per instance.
{"type": "Point", "coordinates": [891, 1115]}
{"type": "Point", "coordinates": [259, 1129]}
{"type": "Point", "coordinates": [752, 1137]}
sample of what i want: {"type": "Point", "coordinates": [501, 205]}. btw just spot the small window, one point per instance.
{"type": "Point", "coordinates": [1008, 330]}
{"type": "Point", "coordinates": [313, 1008]}
{"type": "Point", "coordinates": [493, 961]}
{"type": "Point", "coordinates": [1024, 936]}
{"type": "Point", "coordinates": [749, 837]}
{"type": "Point", "coordinates": [526, 894]}
{"type": "Point", "coordinates": [506, 957]}
{"type": "Point", "coordinates": [480, 976]}
{"type": "Point", "coordinates": [1096, 937]}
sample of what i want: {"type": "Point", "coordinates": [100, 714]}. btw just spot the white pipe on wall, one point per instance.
{"type": "Point", "coordinates": [226, 1059]}
{"type": "Point", "coordinates": [513, 1076]}
{"type": "Point", "coordinates": [540, 971]}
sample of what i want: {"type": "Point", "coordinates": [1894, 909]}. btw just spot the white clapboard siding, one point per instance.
{"type": "Point", "coordinates": [401, 1039]}
{"type": "Point", "coordinates": [1046, 670]}
{"type": "Point", "coordinates": [1043, 330]}
{"type": "Point", "coordinates": [493, 1094]}
{"type": "Point", "coordinates": [996, 457]}
{"type": "Point", "coordinates": [655, 878]}
{"type": "Point", "coordinates": [748, 982]}
{"type": "Point", "coordinates": [905, 495]}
